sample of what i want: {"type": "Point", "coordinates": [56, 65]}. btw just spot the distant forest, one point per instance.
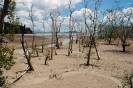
{"type": "Point", "coordinates": [7, 29]}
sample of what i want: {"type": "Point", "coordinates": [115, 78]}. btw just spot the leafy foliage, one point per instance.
{"type": "Point", "coordinates": [126, 81]}
{"type": "Point", "coordinates": [126, 44]}
{"type": "Point", "coordinates": [86, 43]}
{"type": "Point", "coordinates": [6, 52]}
{"type": "Point", "coordinates": [13, 21]}
{"type": "Point", "coordinates": [6, 61]}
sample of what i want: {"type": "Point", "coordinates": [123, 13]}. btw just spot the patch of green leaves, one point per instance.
{"type": "Point", "coordinates": [6, 61]}
{"type": "Point", "coordinates": [86, 43]}
{"type": "Point", "coordinates": [126, 44]}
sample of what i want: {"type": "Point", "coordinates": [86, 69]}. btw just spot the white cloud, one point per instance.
{"type": "Point", "coordinates": [46, 6]}
{"type": "Point", "coordinates": [79, 15]}
{"type": "Point", "coordinates": [41, 7]}
{"type": "Point", "coordinates": [128, 10]}
{"type": "Point", "coordinates": [128, 14]}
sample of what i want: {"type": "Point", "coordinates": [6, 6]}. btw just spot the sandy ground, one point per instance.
{"type": "Point", "coordinates": [71, 72]}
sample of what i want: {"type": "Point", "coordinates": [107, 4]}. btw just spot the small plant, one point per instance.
{"type": "Point", "coordinates": [42, 45]}
{"type": "Point", "coordinates": [35, 49]}
{"type": "Point", "coordinates": [126, 81]}
{"type": "Point", "coordinates": [97, 42]}
{"type": "Point", "coordinates": [86, 43]}
{"type": "Point", "coordinates": [92, 53]}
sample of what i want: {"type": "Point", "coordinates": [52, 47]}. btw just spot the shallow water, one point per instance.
{"type": "Point", "coordinates": [65, 41]}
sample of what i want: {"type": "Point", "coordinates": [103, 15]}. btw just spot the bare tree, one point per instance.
{"type": "Point", "coordinates": [79, 35]}
{"type": "Point", "coordinates": [55, 30]}
{"type": "Point", "coordinates": [58, 25]}
{"type": "Point", "coordinates": [52, 39]}
{"type": "Point", "coordinates": [71, 26]}
{"type": "Point", "coordinates": [92, 27]}
{"type": "Point", "coordinates": [30, 15]}
{"type": "Point", "coordinates": [43, 24]}
{"type": "Point", "coordinates": [27, 53]}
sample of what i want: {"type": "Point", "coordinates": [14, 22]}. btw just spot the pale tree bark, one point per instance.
{"type": "Point", "coordinates": [57, 29]}
{"type": "Point", "coordinates": [79, 35]}
{"type": "Point", "coordinates": [71, 25]}
{"type": "Point", "coordinates": [30, 15]}
{"type": "Point", "coordinates": [52, 39]}
{"type": "Point", "coordinates": [43, 44]}
{"type": "Point", "coordinates": [92, 27]}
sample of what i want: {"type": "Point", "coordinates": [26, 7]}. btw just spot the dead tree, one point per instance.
{"type": "Point", "coordinates": [55, 29]}
{"type": "Point", "coordinates": [70, 30]}
{"type": "Point", "coordinates": [30, 15]}
{"type": "Point", "coordinates": [57, 24]}
{"type": "Point", "coordinates": [53, 34]}
{"type": "Point", "coordinates": [43, 24]}
{"type": "Point", "coordinates": [28, 53]}
{"type": "Point", "coordinates": [92, 27]}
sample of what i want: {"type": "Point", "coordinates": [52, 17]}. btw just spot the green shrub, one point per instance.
{"type": "Point", "coordinates": [86, 43]}
{"type": "Point", "coordinates": [126, 44]}
{"type": "Point", "coordinates": [101, 37]}
{"type": "Point", "coordinates": [6, 61]}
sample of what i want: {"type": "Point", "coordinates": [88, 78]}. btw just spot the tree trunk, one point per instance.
{"type": "Point", "coordinates": [52, 42]}
{"type": "Point", "coordinates": [79, 46]}
{"type": "Point", "coordinates": [110, 38]}
{"type": "Point", "coordinates": [124, 48]}
{"type": "Point", "coordinates": [28, 57]}
{"type": "Point", "coordinates": [89, 54]}
{"type": "Point", "coordinates": [42, 47]}
{"type": "Point", "coordinates": [96, 50]}
{"type": "Point", "coordinates": [130, 79]}
{"type": "Point", "coordinates": [33, 41]}
{"type": "Point", "coordinates": [4, 11]}
{"type": "Point", "coordinates": [47, 57]}
{"type": "Point", "coordinates": [57, 40]}
{"type": "Point", "coordinates": [37, 54]}
{"type": "Point", "coordinates": [30, 65]}
{"type": "Point", "coordinates": [118, 41]}
{"type": "Point", "coordinates": [69, 47]}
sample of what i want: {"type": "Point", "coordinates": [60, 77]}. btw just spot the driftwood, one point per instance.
{"type": "Point", "coordinates": [20, 76]}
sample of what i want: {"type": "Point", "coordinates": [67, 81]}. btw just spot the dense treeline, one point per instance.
{"type": "Point", "coordinates": [8, 29]}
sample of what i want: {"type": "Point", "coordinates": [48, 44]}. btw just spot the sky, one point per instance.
{"type": "Point", "coordinates": [43, 8]}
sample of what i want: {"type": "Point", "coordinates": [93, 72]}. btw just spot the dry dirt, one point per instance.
{"type": "Point", "coordinates": [71, 72]}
